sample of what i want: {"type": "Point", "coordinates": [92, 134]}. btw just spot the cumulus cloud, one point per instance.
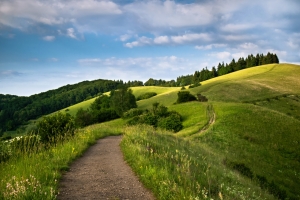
{"type": "Point", "coordinates": [49, 38]}
{"type": "Point", "coordinates": [236, 27]}
{"type": "Point", "coordinates": [161, 40]}
{"type": "Point", "coordinates": [210, 46]}
{"type": "Point", "coordinates": [164, 40]}
{"type": "Point", "coordinates": [150, 65]}
{"type": "Point", "coordinates": [52, 12]}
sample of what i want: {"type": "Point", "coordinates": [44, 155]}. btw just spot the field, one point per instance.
{"type": "Point", "coordinates": [241, 144]}
{"type": "Point", "coordinates": [255, 134]}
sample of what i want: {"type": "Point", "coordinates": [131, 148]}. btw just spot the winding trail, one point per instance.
{"type": "Point", "coordinates": [102, 173]}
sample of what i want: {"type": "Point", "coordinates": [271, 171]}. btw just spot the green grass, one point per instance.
{"type": "Point", "coordinates": [174, 168]}
{"type": "Point", "coordinates": [254, 136]}
{"type": "Point", "coordinates": [250, 84]}
{"type": "Point", "coordinates": [266, 141]}
{"type": "Point", "coordinates": [36, 175]}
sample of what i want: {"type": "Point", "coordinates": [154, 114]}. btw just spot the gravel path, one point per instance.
{"type": "Point", "coordinates": [102, 173]}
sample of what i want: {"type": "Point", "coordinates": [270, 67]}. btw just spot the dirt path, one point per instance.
{"type": "Point", "coordinates": [102, 173]}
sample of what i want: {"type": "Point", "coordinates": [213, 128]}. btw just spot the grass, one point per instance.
{"type": "Point", "coordinates": [254, 139]}
{"type": "Point", "coordinates": [250, 84]}
{"type": "Point", "coordinates": [174, 168]}
{"type": "Point", "coordinates": [36, 175]}
{"type": "Point", "coordinates": [265, 141]}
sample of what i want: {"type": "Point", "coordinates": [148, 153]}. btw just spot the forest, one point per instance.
{"type": "Point", "coordinates": [16, 111]}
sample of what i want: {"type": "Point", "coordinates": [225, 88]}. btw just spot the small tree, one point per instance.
{"type": "Point", "coordinates": [122, 100]}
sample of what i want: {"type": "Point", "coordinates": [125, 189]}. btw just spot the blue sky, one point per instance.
{"type": "Point", "coordinates": [47, 44]}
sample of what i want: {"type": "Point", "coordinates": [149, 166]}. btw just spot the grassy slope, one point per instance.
{"type": "Point", "coordinates": [257, 121]}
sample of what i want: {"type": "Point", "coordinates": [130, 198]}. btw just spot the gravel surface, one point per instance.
{"type": "Point", "coordinates": [102, 173]}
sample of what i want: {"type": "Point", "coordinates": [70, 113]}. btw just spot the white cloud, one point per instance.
{"type": "Point", "coordinates": [210, 46]}
{"type": "Point", "coordinates": [53, 59]}
{"type": "Point", "coordinates": [49, 38]}
{"type": "Point", "coordinates": [171, 14]}
{"type": "Point", "coordinates": [71, 33]}
{"type": "Point", "coordinates": [249, 46]}
{"type": "Point", "coordinates": [190, 37]}
{"type": "Point", "coordinates": [224, 55]}
{"type": "Point", "coordinates": [125, 37]}
{"type": "Point", "coordinates": [161, 40]}
{"type": "Point", "coordinates": [52, 12]}
{"type": "Point", "coordinates": [89, 61]}
{"type": "Point", "coordinates": [236, 27]}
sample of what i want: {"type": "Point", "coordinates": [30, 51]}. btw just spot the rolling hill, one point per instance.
{"type": "Point", "coordinates": [241, 144]}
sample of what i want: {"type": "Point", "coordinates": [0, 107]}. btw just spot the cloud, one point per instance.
{"type": "Point", "coordinates": [53, 59]}
{"type": "Point", "coordinates": [89, 61]}
{"type": "Point", "coordinates": [125, 37]}
{"type": "Point", "coordinates": [249, 46]}
{"type": "Point", "coordinates": [49, 38]}
{"type": "Point", "coordinates": [52, 12]}
{"type": "Point", "coordinates": [164, 40]}
{"type": "Point", "coordinates": [191, 37]}
{"type": "Point", "coordinates": [9, 73]}
{"type": "Point", "coordinates": [147, 65]}
{"type": "Point", "coordinates": [71, 33]}
{"type": "Point", "coordinates": [236, 27]}
{"type": "Point", "coordinates": [161, 40]}
{"type": "Point", "coordinates": [210, 46]}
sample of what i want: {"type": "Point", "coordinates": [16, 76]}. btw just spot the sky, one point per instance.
{"type": "Point", "coordinates": [46, 44]}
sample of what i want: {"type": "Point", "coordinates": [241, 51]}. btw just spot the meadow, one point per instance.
{"type": "Point", "coordinates": [241, 144]}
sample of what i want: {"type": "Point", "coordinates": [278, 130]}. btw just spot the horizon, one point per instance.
{"type": "Point", "coordinates": [47, 45]}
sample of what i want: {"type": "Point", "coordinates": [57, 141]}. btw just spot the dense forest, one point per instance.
{"type": "Point", "coordinates": [16, 111]}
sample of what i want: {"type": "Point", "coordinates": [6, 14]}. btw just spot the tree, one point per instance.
{"type": "Point", "coordinates": [56, 127]}
{"type": "Point", "coordinates": [185, 96]}
{"type": "Point", "coordinates": [122, 100]}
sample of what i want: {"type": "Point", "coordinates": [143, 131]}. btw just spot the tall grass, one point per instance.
{"type": "Point", "coordinates": [174, 168]}
{"type": "Point", "coordinates": [35, 175]}
{"type": "Point", "coordinates": [264, 141]}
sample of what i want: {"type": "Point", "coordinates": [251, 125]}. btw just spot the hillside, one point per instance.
{"type": "Point", "coordinates": [250, 125]}
{"type": "Point", "coordinates": [241, 144]}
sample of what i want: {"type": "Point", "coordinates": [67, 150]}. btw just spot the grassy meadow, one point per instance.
{"type": "Point", "coordinates": [241, 144]}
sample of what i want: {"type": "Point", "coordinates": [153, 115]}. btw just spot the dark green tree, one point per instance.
{"type": "Point", "coordinates": [122, 100]}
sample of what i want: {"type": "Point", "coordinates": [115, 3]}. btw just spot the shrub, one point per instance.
{"type": "Point", "coordinates": [158, 116]}
{"type": "Point", "coordinates": [83, 118]}
{"type": "Point", "coordinates": [195, 85]}
{"type": "Point", "coordinates": [171, 123]}
{"type": "Point", "coordinates": [56, 127]}
{"type": "Point", "coordinates": [132, 113]}
{"type": "Point", "coordinates": [185, 96]}
{"type": "Point", "coordinates": [146, 96]}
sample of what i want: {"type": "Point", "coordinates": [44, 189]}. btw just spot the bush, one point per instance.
{"type": "Point", "coordinates": [83, 118]}
{"type": "Point", "coordinates": [171, 123]}
{"type": "Point", "coordinates": [159, 116]}
{"type": "Point", "coordinates": [56, 127]}
{"type": "Point", "coordinates": [133, 112]}
{"type": "Point", "coordinates": [185, 96]}
{"type": "Point", "coordinates": [195, 85]}
{"type": "Point", "coordinates": [146, 96]}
